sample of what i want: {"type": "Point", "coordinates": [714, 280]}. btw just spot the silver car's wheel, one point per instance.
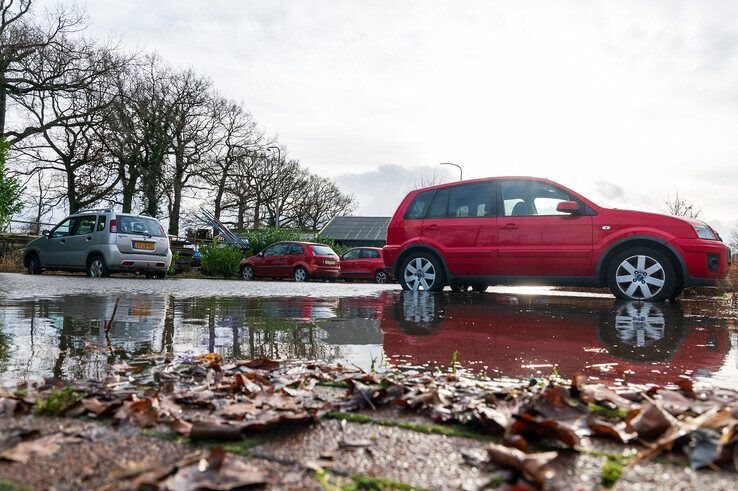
{"type": "Point", "coordinates": [380, 277]}
{"type": "Point", "coordinates": [640, 277]}
{"type": "Point", "coordinates": [247, 273]}
{"type": "Point", "coordinates": [300, 275]}
{"type": "Point", "coordinates": [96, 269]}
{"type": "Point", "coordinates": [420, 274]}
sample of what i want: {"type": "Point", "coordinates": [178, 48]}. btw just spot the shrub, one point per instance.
{"type": "Point", "coordinates": [220, 260]}
{"type": "Point", "coordinates": [261, 238]}
{"type": "Point", "coordinates": [173, 267]}
{"type": "Point", "coordinates": [11, 261]}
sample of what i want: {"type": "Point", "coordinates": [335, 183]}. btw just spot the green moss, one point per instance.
{"type": "Point", "coordinates": [612, 469]}
{"type": "Point", "coordinates": [8, 485]}
{"type": "Point", "coordinates": [330, 383]}
{"type": "Point", "coordinates": [607, 412]}
{"type": "Point", "coordinates": [240, 447]}
{"type": "Point", "coordinates": [57, 402]}
{"type": "Point", "coordinates": [356, 482]}
{"type": "Point", "coordinates": [427, 428]}
{"type": "Point", "coordinates": [20, 393]}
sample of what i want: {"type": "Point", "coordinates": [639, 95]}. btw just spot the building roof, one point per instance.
{"type": "Point", "coordinates": [356, 228]}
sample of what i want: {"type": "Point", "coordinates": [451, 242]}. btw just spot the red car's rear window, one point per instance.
{"type": "Point", "coordinates": [321, 250]}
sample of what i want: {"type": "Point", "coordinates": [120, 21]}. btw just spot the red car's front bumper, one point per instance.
{"type": "Point", "coordinates": [706, 261]}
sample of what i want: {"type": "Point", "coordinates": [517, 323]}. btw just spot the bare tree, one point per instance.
{"type": "Point", "coordinates": [68, 141]}
{"type": "Point", "coordinates": [319, 202]}
{"type": "Point", "coordinates": [681, 207]}
{"type": "Point", "coordinates": [733, 240]}
{"type": "Point", "coordinates": [428, 176]}
{"type": "Point", "coordinates": [42, 197]}
{"type": "Point", "coordinates": [44, 56]}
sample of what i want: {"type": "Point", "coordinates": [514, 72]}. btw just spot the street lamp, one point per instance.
{"type": "Point", "coordinates": [461, 171]}
{"type": "Point", "coordinates": [279, 179]}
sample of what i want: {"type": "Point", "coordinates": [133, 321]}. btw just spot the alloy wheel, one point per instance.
{"type": "Point", "coordinates": [380, 277]}
{"type": "Point", "coordinates": [96, 268]}
{"type": "Point", "coordinates": [640, 277]}
{"type": "Point", "coordinates": [247, 273]}
{"type": "Point", "coordinates": [420, 274]}
{"type": "Point", "coordinates": [640, 324]}
{"type": "Point", "coordinates": [300, 275]}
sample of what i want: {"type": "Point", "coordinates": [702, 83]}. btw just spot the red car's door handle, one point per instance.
{"type": "Point", "coordinates": [509, 226]}
{"type": "Point", "coordinates": [432, 227]}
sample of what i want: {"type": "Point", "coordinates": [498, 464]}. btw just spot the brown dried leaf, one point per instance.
{"type": "Point", "coordinates": [651, 422]}
{"type": "Point", "coordinates": [618, 431]}
{"type": "Point", "coordinates": [262, 364]}
{"type": "Point", "coordinates": [206, 430]}
{"type": "Point", "coordinates": [528, 425]}
{"type": "Point", "coordinates": [534, 467]}
{"type": "Point", "coordinates": [40, 447]}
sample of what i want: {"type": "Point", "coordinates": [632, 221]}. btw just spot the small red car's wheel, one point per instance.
{"type": "Point", "coordinates": [300, 274]}
{"type": "Point", "coordinates": [247, 273]}
{"type": "Point", "coordinates": [380, 276]}
{"type": "Point", "coordinates": [642, 273]}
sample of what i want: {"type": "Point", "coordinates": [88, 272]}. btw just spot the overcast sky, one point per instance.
{"type": "Point", "coordinates": [623, 101]}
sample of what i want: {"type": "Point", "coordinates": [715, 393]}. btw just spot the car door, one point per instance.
{"type": "Point", "coordinates": [537, 240]}
{"type": "Point", "coordinates": [293, 254]}
{"type": "Point", "coordinates": [270, 262]}
{"type": "Point", "coordinates": [56, 248]}
{"type": "Point", "coordinates": [366, 264]}
{"type": "Point", "coordinates": [80, 241]}
{"type": "Point", "coordinates": [349, 263]}
{"type": "Point", "coordinates": [461, 223]}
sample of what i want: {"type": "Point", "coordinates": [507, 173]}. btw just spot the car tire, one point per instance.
{"type": "Point", "coordinates": [96, 267]}
{"type": "Point", "coordinates": [642, 274]}
{"type": "Point", "coordinates": [479, 287]}
{"type": "Point", "coordinates": [675, 294]}
{"type": "Point", "coordinates": [160, 275]}
{"type": "Point", "coordinates": [247, 273]}
{"type": "Point", "coordinates": [300, 275]}
{"type": "Point", "coordinates": [429, 265]}
{"type": "Point", "coordinates": [33, 264]}
{"type": "Point", "coordinates": [380, 277]}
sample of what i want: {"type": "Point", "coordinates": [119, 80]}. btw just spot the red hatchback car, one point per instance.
{"type": "Point", "coordinates": [298, 260]}
{"type": "Point", "coordinates": [526, 230]}
{"type": "Point", "coordinates": [363, 263]}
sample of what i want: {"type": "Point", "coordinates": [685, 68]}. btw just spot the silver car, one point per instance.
{"type": "Point", "coordinates": [101, 242]}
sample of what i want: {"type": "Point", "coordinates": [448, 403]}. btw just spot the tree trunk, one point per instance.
{"type": "Point", "coordinates": [72, 198]}
{"type": "Point", "coordinates": [257, 217]}
{"type": "Point", "coordinates": [174, 214]}
{"type": "Point", "coordinates": [128, 191]}
{"type": "Point", "coordinates": [241, 211]}
{"type": "Point", "coordinates": [3, 102]}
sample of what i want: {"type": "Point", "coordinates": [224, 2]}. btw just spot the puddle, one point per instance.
{"type": "Point", "coordinates": [501, 334]}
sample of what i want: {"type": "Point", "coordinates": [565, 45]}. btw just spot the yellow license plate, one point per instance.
{"type": "Point", "coordinates": [330, 262]}
{"type": "Point", "coordinates": [144, 245]}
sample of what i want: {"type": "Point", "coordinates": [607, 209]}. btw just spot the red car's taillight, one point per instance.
{"type": "Point", "coordinates": [113, 226]}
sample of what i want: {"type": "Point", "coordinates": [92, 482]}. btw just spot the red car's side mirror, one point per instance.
{"type": "Point", "coordinates": [570, 207]}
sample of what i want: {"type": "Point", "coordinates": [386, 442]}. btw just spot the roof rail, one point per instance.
{"type": "Point", "coordinates": [84, 210]}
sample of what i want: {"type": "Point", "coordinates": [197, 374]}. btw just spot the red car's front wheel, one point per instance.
{"type": "Point", "coordinates": [247, 273]}
{"type": "Point", "coordinates": [643, 274]}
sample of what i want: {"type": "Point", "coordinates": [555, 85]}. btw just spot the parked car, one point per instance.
{"type": "Point", "coordinates": [101, 242]}
{"type": "Point", "coordinates": [298, 260]}
{"type": "Point", "coordinates": [363, 263]}
{"type": "Point", "coordinates": [526, 230]}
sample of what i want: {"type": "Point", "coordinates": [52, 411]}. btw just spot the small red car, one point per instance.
{"type": "Point", "coordinates": [298, 260]}
{"type": "Point", "coordinates": [363, 263]}
{"type": "Point", "coordinates": [527, 230]}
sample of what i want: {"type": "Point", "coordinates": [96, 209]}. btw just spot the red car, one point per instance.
{"type": "Point", "coordinates": [363, 263]}
{"type": "Point", "coordinates": [298, 260]}
{"type": "Point", "coordinates": [526, 230]}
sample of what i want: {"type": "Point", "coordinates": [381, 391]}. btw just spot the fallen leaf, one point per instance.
{"type": "Point", "coordinates": [617, 431]}
{"type": "Point", "coordinates": [528, 425]}
{"type": "Point", "coordinates": [39, 447]}
{"type": "Point", "coordinates": [651, 422]}
{"type": "Point", "coordinates": [204, 430]}
{"type": "Point", "coordinates": [262, 363]}
{"type": "Point", "coordinates": [534, 467]}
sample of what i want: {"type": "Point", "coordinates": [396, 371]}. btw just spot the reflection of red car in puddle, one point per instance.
{"type": "Point", "coordinates": [597, 337]}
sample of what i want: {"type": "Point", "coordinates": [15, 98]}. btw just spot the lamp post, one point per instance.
{"type": "Point", "coordinates": [461, 171]}
{"type": "Point", "coordinates": [279, 180]}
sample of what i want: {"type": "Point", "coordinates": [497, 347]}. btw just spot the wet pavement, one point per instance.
{"type": "Point", "coordinates": [54, 326]}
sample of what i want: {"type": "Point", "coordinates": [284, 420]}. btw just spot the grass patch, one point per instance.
{"type": "Point", "coordinates": [57, 402]}
{"type": "Point", "coordinates": [241, 447]}
{"type": "Point", "coordinates": [608, 412]}
{"type": "Point", "coordinates": [427, 428]}
{"type": "Point", "coordinates": [331, 383]}
{"type": "Point", "coordinates": [8, 485]}
{"type": "Point", "coordinates": [357, 482]}
{"type": "Point", "coordinates": [612, 469]}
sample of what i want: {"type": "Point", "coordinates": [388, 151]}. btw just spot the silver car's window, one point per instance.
{"type": "Point", "coordinates": [86, 225]}
{"type": "Point", "coordinates": [139, 225]}
{"type": "Point", "coordinates": [101, 223]}
{"type": "Point", "coordinates": [62, 230]}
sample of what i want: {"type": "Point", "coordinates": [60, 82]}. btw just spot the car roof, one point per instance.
{"type": "Point", "coordinates": [485, 179]}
